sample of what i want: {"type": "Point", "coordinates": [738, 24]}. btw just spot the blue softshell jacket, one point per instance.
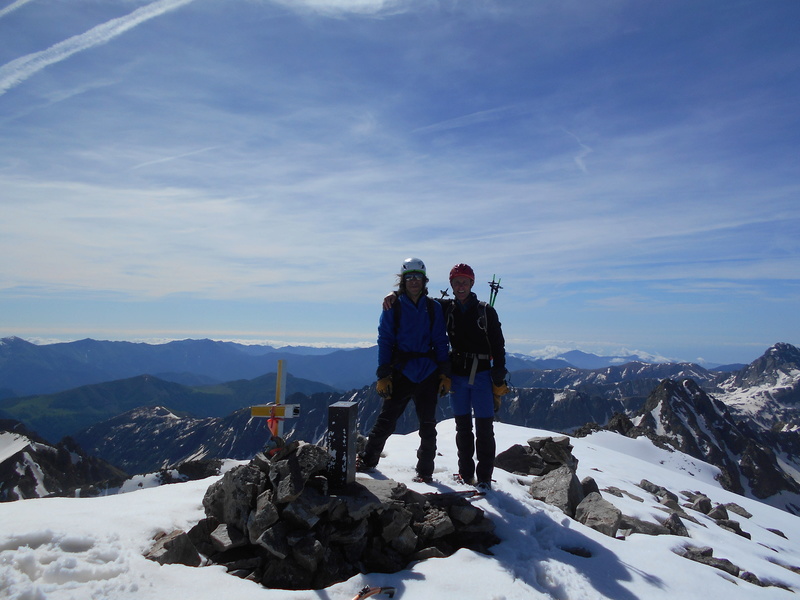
{"type": "Point", "coordinates": [414, 334]}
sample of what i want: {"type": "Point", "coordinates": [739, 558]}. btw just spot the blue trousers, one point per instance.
{"type": "Point", "coordinates": [478, 400]}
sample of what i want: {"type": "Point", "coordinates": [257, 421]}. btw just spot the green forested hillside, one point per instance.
{"type": "Point", "coordinates": [65, 413]}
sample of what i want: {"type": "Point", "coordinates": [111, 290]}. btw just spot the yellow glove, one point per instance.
{"type": "Point", "coordinates": [499, 391]}
{"type": "Point", "coordinates": [384, 387]}
{"type": "Point", "coordinates": [444, 385]}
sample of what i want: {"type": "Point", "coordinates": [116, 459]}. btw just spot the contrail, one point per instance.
{"type": "Point", "coordinates": [12, 7]}
{"type": "Point", "coordinates": [482, 116]}
{"type": "Point", "coordinates": [18, 70]}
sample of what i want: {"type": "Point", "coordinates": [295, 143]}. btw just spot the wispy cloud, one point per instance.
{"type": "Point", "coordinates": [475, 118]}
{"type": "Point", "coordinates": [12, 7]}
{"type": "Point", "coordinates": [15, 72]}
{"type": "Point", "coordinates": [167, 159]}
{"type": "Point", "coordinates": [585, 151]}
{"type": "Point", "coordinates": [341, 7]}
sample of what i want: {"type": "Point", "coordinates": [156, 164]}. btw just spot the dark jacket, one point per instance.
{"type": "Point", "coordinates": [474, 329]}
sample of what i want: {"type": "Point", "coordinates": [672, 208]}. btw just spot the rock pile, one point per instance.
{"type": "Point", "coordinates": [274, 521]}
{"type": "Point", "coordinates": [551, 459]}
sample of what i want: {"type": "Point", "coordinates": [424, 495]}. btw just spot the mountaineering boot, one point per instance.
{"type": "Point", "coordinates": [362, 466]}
{"type": "Point", "coordinates": [465, 444]}
{"type": "Point", "coordinates": [460, 480]}
{"type": "Point", "coordinates": [485, 449]}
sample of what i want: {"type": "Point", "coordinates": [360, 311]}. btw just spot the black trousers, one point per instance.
{"type": "Point", "coordinates": [425, 395]}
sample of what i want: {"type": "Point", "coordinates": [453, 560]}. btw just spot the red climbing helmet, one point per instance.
{"type": "Point", "coordinates": [462, 270]}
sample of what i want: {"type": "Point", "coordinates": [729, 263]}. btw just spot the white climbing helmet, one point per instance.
{"type": "Point", "coordinates": [413, 265]}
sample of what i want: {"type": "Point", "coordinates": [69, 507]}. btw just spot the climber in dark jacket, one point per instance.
{"type": "Point", "coordinates": [478, 365]}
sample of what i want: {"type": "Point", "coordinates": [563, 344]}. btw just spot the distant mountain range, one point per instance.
{"type": "Point", "coordinates": [28, 369]}
{"type": "Point", "coordinates": [66, 413]}
{"type": "Point", "coordinates": [745, 422]}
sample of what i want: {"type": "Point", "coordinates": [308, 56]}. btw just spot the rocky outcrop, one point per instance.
{"type": "Point", "coordinates": [34, 468]}
{"type": "Point", "coordinates": [679, 415]}
{"type": "Point", "coordinates": [552, 461]}
{"type": "Point", "coordinates": [274, 521]}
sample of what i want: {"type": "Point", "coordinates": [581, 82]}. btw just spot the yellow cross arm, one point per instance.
{"type": "Point", "coordinates": [282, 411]}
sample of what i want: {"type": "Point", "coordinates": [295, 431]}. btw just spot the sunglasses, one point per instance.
{"type": "Point", "coordinates": [409, 276]}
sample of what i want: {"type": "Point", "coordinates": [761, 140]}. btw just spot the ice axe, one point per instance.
{"type": "Point", "coordinates": [495, 287]}
{"type": "Point", "coordinates": [368, 592]}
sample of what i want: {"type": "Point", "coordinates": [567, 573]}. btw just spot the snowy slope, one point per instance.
{"type": "Point", "coordinates": [91, 548]}
{"type": "Point", "coordinates": [766, 403]}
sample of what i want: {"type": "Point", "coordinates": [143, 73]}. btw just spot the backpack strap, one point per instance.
{"type": "Point", "coordinates": [483, 325]}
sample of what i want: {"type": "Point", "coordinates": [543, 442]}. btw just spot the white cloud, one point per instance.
{"type": "Point", "coordinates": [15, 72]}
{"type": "Point", "coordinates": [343, 7]}
{"type": "Point", "coordinates": [12, 7]}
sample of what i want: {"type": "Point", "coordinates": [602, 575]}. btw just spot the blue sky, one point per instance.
{"type": "Point", "coordinates": [259, 169]}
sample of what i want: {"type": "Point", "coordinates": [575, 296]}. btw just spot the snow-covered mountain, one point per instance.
{"type": "Point", "coordinates": [768, 390]}
{"type": "Point", "coordinates": [571, 377]}
{"type": "Point", "coordinates": [697, 424]}
{"type": "Point", "coordinates": [683, 408]}
{"type": "Point", "coordinates": [59, 548]}
{"type": "Point", "coordinates": [30, 467]}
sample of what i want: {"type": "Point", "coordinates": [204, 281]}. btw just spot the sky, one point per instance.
{"type": "Point", "coordinates": [64, 548]}
{"type": "Point", "coordinates": [258, 170]}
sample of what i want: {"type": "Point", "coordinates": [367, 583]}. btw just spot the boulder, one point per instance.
{"type": "Point", "coordinates": [560, 488]}
{"type": "Point", "coordinates": [541, 456]}
{"type": "Point", "coordinates": [630, 525]}
{"type": "Point", "coordinates": [599, 514]}
{"type": "Point", "coordinates": [705, 555]}
{"type": "Point", "coordinates": [675, 526]}
{"type": "Point", "coordinates": [174, 548]}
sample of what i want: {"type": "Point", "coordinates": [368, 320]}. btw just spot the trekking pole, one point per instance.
{"type": "Point", "coordinates": [495, 287]}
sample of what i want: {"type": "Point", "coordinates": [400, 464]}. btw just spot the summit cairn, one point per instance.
{"type": "Point", "coordinates": [274, 521]}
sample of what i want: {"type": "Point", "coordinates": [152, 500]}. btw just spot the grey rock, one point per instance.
{"type": "Point", "coordinates": [658, 490]}
{"type": "Point", "coordinates": [702, 504]}
{"type": "Point", "coordinates": [718, 512]}
{"type": "Point", "coordinates": [635, 525]}
{"type": "Point", "coordinates": [777, 532]}
{"type": "Point", "coordinates": [675, 526]}
{"type": "Point", "coordinates": [405, 542]}
{"type": "Point", "coordinates": [229, 500]}
{"type": "Point", "coordinates": [560, 488]}
{"type": "Point", "coordinates": [705, 556]}
{"type": "Point", "coordinates": [263, 517]}
{"type": "Point", "coordinates": [226, 537]}
{"type": "Point", "coordinates": [274, 540]}
{"type": "Point", "coordinates": [738, 510]}
{"type": "Point", "coordinates": [599, 514]}
{"type": "Point", "coordinates": [541, 456]}
{"type": "Point", "coordinates": [437, 524]}
{"type": "Point", "coordinates": [307, 551]}
{"type": "Point", "coordinates": [733, 526]}
{"type": "Point", "coordinates": [589, 485]}
{"type": "Point", "coordinates": [174, 548]}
